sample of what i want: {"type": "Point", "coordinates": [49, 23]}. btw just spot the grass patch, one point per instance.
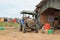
{"type": "Point", "coordinates": [8, 24]}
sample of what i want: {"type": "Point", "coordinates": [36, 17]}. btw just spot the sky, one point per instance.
{"type": "Point", "coordinates": [13, 8]}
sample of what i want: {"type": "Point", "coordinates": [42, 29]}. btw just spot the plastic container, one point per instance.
{"type": "Point", "coordinates": [46, 31]}
{"type": "Point", "coordinates": [50, 31]}
{"type": "Point", "coordinates": [2, 28]}
{"type": "Point", "coordinates": [47, 26]}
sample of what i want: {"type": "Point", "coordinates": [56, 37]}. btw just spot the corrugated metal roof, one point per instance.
{"type": "Point", "coordinates": [28, 12]}
{"type": "Point", "coordinates": [41, 3]}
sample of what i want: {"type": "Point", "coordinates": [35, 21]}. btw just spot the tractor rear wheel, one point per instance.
{"type": "Point", "coordinates": [36, 29]}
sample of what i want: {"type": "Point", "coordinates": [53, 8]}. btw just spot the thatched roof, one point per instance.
{"type": "Point", "coordinates": [41, 3]}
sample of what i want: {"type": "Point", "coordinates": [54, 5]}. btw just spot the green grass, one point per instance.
{"type": "Point", "coordinates": [8, 24]}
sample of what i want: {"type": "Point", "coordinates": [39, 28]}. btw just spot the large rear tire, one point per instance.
{"type": "Point", "coordinates": [36, 30]}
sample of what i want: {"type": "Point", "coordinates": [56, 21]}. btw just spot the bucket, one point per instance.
{"type": "Point", "coordinates": [47, 26]}
{"type": "Point", "coordinates": [46, 31]}
{"type": "Point", "coordinates": [50, 31]}
{"type": "Point", "coordinates": [2, 28]}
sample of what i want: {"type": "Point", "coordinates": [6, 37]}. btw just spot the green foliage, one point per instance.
{"type": "Point", "coordinates": [8, 24]}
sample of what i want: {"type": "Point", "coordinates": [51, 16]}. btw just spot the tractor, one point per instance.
{"type": "Point", "coordinates": [28, 23]}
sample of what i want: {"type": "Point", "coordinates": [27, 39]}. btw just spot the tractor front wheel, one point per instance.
{"type": "Point", "coordinates": [21, 27]}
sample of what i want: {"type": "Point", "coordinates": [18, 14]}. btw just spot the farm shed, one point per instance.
{"type": "Point", "coordinates": [49, 11]}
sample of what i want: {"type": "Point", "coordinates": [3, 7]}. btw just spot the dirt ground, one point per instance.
{"type": "Point", "coordinates": [14, 34]}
